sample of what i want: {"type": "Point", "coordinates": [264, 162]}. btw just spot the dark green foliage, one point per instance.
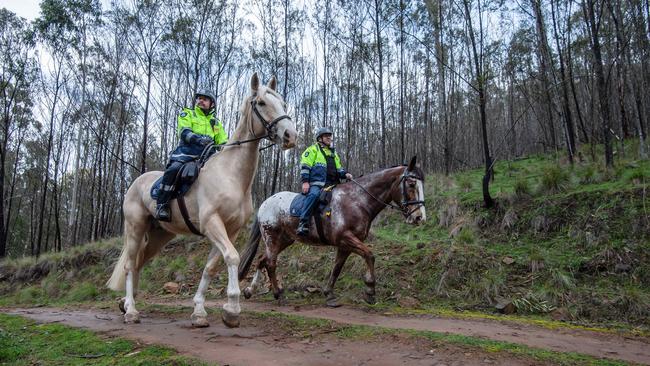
{"type": "Point", "coordinates": [521, 187]}
{"type": "Point", "coordinates": [554, 179]}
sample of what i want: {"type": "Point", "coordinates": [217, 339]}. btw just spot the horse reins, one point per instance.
{"type": "Point", "coordinates": [403, 207]}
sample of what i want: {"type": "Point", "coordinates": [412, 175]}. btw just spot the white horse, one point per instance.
{"type": "Point", "coordinates": [219, 204]}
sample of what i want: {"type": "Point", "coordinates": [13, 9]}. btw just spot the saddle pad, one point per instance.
{"type": "Point", "coordinates": [296, 205]}
{"type": "Point", "coordinates": [155, 189]}
{"type": "Point", "coordinates": [298, 202]}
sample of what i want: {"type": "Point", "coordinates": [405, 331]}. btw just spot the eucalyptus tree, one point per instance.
{"type": "Point", "coordinates": [200, 41]}
{"type": "Point", "coordinates": [480, 76]}
{"type": "Point", "coordinates": [546, 72]}
{"type": "Point", "coordinates": [593, 17]}
{"type": "Point", "coordinates": [560, 34]}
{"type": "Point", "coordinates": [641, 42]}
{"type": "Point", "coordinates": [377, 9]}
{"type": "Point", "coordinates": [56, 29]}
{"type": "Point", "coordinates": [143, 32]}
{"type": "Point", "coordinates": [17, 73]}
{"type": "Point", "coordinates": [274, 54]}
{"type": "Point", "coordinates": [65, 26]}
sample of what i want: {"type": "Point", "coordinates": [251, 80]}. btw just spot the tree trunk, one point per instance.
{"type": "Point", "coordinates": [480, 80]}
{"type": "Point", "coordinates": [380, 76]}
{"type": "Point", "coordinates": [590, 18]}
{"type": "Point", "coordinates": [545, 69]}
{"type": "Point", "coordinates": [568, 120]}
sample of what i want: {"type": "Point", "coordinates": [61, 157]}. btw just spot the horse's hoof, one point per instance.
{"type": "Point", "coordinates": [332, 302]}
{"type": "Point", "coordinates": [248, 293]}
{"type": "Point", "coordinates": [282, 301]}
{"type": "Point", "coordinates": [200, 322]}
{"type": "Point", "coordinates": [131, 318]}
{"type": "Point", "coordinates": [230, 320]}
{"type": "Point", "coordinates": [370, 299]}
{"type": "Point", "coordinates": [278, 294]}
{"type": "Point", "coordinates": [121, 306]}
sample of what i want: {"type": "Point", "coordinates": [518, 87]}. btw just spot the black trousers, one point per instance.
{"type": "Point", "coordinates": [167, 183]}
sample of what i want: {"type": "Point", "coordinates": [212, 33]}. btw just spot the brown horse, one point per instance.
{"type": "Point", "coordinates": [219, 204]}
{"type": "Point", "coordinates": [353, 207]}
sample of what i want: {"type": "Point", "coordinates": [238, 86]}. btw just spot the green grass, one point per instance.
{"type": "Point", "coordinates": [24, 342]}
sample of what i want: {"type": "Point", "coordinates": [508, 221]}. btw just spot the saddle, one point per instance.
{"type": "Point", "coordinates": [320, 209]}
{"type": "Point", "coordinates": [186, 175]}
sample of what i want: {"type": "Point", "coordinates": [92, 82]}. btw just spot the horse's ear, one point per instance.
{"type": "Point", "coordinates": [273, 83]}
{"type": "Point", "coordinates": [255, 83]}
{"type": "Point", "coordinates": [412, 163]}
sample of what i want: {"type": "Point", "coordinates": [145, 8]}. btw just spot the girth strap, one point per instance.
{"type": "Point", "coordinates": [319, 228]}
{"type": "Point", "coordinates": [186, 216]}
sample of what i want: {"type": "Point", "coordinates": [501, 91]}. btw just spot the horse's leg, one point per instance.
{"type": "Point", "coordinates": [155, 240]}
{"type": "Point", "coordinates": [257, 279]}
{"type": "Point", "coordinates": [216, 232]}
{"type": "Point", "coordinates": [133, 235]}
{"type": "Point", "coordinates": [274, 247]}
{"type": "Point", "coordinates": [341, 256]}
{"type": "Point", "coordinates": [358, 247]}
{"type": "Point", "coordinates": [199, 315]}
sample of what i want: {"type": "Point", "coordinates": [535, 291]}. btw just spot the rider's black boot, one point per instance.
{"type": "Point", "coordinates": [163, 212]}
{"type": "Point", "coordinates": [303, 228]}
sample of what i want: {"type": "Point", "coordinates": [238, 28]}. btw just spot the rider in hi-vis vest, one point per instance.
{"type": "Point", "coordinates": [320, 166]}
{"type": "Point", "coordinates": [197, 128]}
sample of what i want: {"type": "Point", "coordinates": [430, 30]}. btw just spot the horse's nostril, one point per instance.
{"type": "Point", "coordinates": [288, 139]}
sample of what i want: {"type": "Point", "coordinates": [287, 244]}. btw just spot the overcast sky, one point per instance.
{"type": "Point", "coordinates": [27, 9]}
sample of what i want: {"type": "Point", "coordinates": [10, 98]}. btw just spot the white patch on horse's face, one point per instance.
{"type": "Point", "coordinates": [275, 207]}
{"type": "Point", "coordinates": [419, 215]}
{"type": "Point", "coordinates": [422, 209]}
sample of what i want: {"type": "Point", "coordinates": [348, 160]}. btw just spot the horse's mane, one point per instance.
{"type": "Point", "coordinates": [418, 172]}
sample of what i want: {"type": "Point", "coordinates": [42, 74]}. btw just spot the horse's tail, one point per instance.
{"type": "Point", "coordinates": [250, 251]}
{"type": "Point", "coordinates": [118, 278]}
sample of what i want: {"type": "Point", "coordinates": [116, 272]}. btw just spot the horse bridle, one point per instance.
{"type": "Point", "coordinates": [404, 204]}
{"type": "Point", "coordinates": [268, 126]}
{"type": "Point", "coordinates": [271, 131]}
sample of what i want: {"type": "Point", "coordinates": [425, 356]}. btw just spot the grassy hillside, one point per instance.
{"type": "Point", "coordinates": [570, 243]}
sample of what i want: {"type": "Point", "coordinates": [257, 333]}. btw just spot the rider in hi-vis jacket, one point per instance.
{"type": "Point", "coordinates": [197, 128]}
{"type": "Point", "coordinates": [320, 166]}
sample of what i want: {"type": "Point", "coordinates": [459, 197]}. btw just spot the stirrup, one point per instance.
{"type": "Point", "coordinates": [163, 213]}
{"type": "Point", "coordinates": [303, 230]}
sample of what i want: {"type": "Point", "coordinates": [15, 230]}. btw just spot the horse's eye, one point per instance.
{"type": "Point", "coordinates": [261, 102]}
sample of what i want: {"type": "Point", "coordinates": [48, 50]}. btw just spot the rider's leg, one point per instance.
{"type": "Point", "coordinates": [166, 189]}
{"type": "Point", "coordinates": [307, 208]}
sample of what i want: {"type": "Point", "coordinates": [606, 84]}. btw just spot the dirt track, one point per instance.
{"type": "Point", "coordinates": [257, 343]}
